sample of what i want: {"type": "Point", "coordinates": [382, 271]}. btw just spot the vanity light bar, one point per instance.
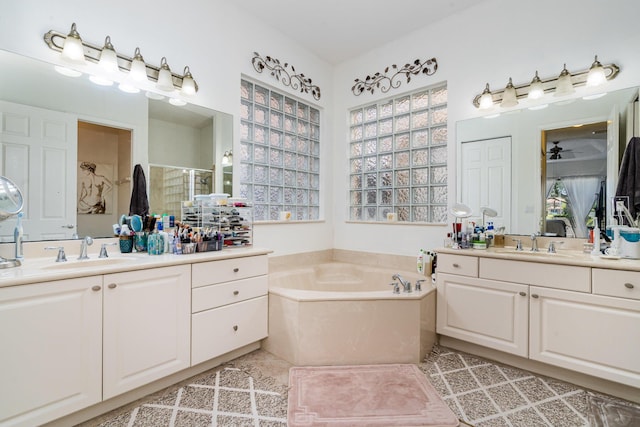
{"type": "Point", "coordinates": [549, 85]}
{"type": "Point", "coordinates": [56, 40]}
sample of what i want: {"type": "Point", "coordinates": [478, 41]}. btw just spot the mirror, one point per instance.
{"type": "Point", "coordinates": [516, 186]}
{"type": "Point", "coordinates": [10, 198]}
{"type": "Point", "coordinates": [129, 128]}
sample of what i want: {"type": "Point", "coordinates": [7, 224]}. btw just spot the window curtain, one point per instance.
{"type": "Point", "coordinates": [582, 192]}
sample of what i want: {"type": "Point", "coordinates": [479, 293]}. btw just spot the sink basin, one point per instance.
{"type": "Point", "coordinates": [526, 252]}
{"type": "Point", "coordinates": [87, 263]}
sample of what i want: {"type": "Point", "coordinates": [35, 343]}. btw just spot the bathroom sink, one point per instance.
{"type": "Point", "coordinates": [87, 263]}
{"type": "Point", "coordinates": [526, 252]}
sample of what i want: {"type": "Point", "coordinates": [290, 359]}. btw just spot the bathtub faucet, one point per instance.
{"type": "Point", "coordinates": [405, 284]}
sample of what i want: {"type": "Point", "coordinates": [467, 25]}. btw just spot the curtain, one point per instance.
{"type": "Point", "coordinates": [582, 192]}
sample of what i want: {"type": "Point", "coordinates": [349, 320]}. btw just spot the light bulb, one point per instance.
{"type": "Point", "coordinates": [72, 50]}
{"type": "Point", "coordinates": [509, 98]}
{"type": "Point", "coordinates": [108, 58]}
{"type": "Point", "coordinates": [536, 90]}
{"type": "Point", "coordinates": [596, 75]}
{"type": "Point", "coordinates": [165, 80]}
{"type": "Point", "coordinates": [486, 99]}
{"type": "Point", "coordinates": [189, 87]}
{"type": "Point", "coordinates": [138, 71]}
{"type": "Point", "coordinates": [564, 85]}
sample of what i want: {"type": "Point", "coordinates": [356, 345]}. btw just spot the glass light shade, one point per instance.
{"type": "Point", "coordinates": [509, 97]}
{"type": "Point", "coordinates": [486, 99]}
{"type": "Point", "coordinates": [108, 58]}
{"type": "Point", "coordinates": [177, 102]}
{"type": "Point", "coordinates": [101, 81]}
{"type": "Point", "coordinates": [138, 71]}
{"type": "Point", "coordinates": [188, 83]}
{"type": "Point", "coordinates": [536, 91]}
{"type": "Point", "coordinates": [226, 159]}
{"type": "Point", "coordinates": [128, 87]}
{"type": "Point", "coordinates": [596, 75]}
{"type": "Point", "coordinates": [564, 86]}
{"type": "Point", "coordinates": [67, 71]}
{"type": "Point", "coordinates": [165, 81]}
{"type": "Point", "coordinates": [72, 49]}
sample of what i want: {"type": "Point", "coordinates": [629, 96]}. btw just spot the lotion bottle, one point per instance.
{"type": "Point", "coordinates": [420, 261]}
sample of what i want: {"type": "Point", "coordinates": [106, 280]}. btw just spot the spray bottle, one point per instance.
{"type": "Point", "coordinates": [420, 261]}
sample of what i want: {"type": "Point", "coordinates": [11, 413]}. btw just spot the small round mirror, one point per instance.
{"type": "Point", "coordinates": [11, 201]}
{"type": "Point", "coordinates": [461, 210]}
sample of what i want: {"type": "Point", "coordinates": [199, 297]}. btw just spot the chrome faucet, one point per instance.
{"type": "Point", "coordinates": [87, 241]}
{"type": "Point", "coordinates": [405, 284]}
{"type": "Point", "coordinates": [552, 246]}
{"type": "Point", "coordinates": [534, 243]}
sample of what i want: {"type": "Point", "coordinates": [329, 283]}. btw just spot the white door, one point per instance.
{"type": "Point", "coordinates": [51, 335]}
{"type": "Point", "coordinates": [486, 178]}
{"type": "Point", "coordinates": [147, 332]}
{"type": "Point", "coordinates": [39, 153]}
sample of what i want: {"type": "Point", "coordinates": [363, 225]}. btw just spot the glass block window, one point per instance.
{"type": "Point", "coordinates": [280, 157]}
{"type": "Point", "coordinates": [398, 158]}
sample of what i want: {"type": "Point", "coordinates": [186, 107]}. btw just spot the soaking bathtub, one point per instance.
{"type": "Point", "coordinates": [339, 314]}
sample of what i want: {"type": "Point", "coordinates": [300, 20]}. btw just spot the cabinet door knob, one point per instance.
{"type": "Point", "coordinates": [235, 270]}
{"type": "Point", "coordinates": [112, 286]}
{"type": "Point", "coordinates": [236, 292]}
{"type": "Point", "coordinates": [235, 327]}
{"type": "Point", "coordinates": [534, 295]}
{"type": "Point", "coordinates": [628, 285]}
{"type": "Point", "coordinates": [523, 294]}
{"type": "Point", "coordinates": [96, 288]}
{"type": "Point", "coordinates": [455, 265]}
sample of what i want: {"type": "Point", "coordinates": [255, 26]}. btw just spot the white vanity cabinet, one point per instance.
{"type": "Point", "coordinates": [594, 334]}
{"type": "Point", "coordinates": [51, 349]}
{"type": "Point", "coordinates": [485, 312]}
{"type": "Point", "coordinates": [229, 305]}
{"type": "Point", "coordinates": [577, 317]}
{"type": "Point", "coordinates": [146, 326]}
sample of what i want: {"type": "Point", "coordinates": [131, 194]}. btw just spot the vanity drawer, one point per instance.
{"type": "Point", "coordinates": [458, 264]}
{"type": "Point", "coordinates": [568, 277]}
{"type": "Point", "coordinates": [616, 283]}
{"type": "Point", "coordinates": [212, 296]}
{"type": "Point", "coordinates": [212, 272]}
{"type": "Point", "coordinates": [221, 330]}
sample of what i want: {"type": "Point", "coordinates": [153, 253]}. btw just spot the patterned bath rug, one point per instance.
{"type": "Point", "coordinates": [367, 395]}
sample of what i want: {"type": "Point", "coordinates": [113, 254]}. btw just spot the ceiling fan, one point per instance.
{"type": "Point", "coordinates": [555, 151]}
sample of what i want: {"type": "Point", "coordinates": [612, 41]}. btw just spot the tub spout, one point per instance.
{"type": "Point", "coordinates": [405, 284]}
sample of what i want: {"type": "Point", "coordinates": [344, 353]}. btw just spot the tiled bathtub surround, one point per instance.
{"type": "Point", "coordinates": [345, 313]}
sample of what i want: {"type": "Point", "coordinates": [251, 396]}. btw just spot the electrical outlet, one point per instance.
{"type": "Point", "coordinates": [620, 199]}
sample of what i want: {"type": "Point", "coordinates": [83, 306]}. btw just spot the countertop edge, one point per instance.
{"type": "Point", "coordinates": [32, 271]}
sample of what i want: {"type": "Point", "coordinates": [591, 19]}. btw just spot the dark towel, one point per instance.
{"type": "Point", "coordinates": [139, 203]}
{"type": "Point", "coordinates": [629, 177]}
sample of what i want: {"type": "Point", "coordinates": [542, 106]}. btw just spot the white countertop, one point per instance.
{"type": "Point", "coordinates": [564, 257]}
{"type": "Point", "coordinates": [35, 270]}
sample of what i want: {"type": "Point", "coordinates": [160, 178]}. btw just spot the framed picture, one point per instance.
{"type": "Point", "coordinates": [95, 188]}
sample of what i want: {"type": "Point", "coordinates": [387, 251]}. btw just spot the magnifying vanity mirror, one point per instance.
{"type": "Point", "coordinates": [71, 145]}
{"type": "Point", "coordinates": [523, 161]}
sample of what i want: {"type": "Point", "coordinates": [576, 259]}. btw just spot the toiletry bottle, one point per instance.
{"type": "Point", "coordinates": [164, 236]}
{"type": "Point", "coordinates": [18, 233]}
{"type": "Point", "coordinates": [596, 239]}
{"type": "Point", "coordinates": [420, 261]}
{"type": "Point", "coordinates": [490, 233]}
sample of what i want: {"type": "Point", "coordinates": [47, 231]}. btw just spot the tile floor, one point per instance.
{"type": "Point", "coordinates": [252, 391]}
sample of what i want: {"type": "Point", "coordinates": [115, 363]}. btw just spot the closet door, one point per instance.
{"type": "Point", "coordinates": [39, 153]}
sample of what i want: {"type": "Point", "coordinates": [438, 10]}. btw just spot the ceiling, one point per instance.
{"type": "Point", "coordinates": [337, 30]}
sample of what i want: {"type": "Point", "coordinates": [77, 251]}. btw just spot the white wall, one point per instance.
{"type": "Point", "coordinates": [495, 40]}
{"type": "Point", "coordinates": [491, 42]}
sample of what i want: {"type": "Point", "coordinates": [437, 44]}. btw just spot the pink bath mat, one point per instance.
{"type": "Point", "coordinates": [367, 395]}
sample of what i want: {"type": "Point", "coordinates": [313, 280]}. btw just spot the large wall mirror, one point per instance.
{"type": "Point", "coordinates": [70, 145]}
{"type": "Point", "coordinates": [549, 170]}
